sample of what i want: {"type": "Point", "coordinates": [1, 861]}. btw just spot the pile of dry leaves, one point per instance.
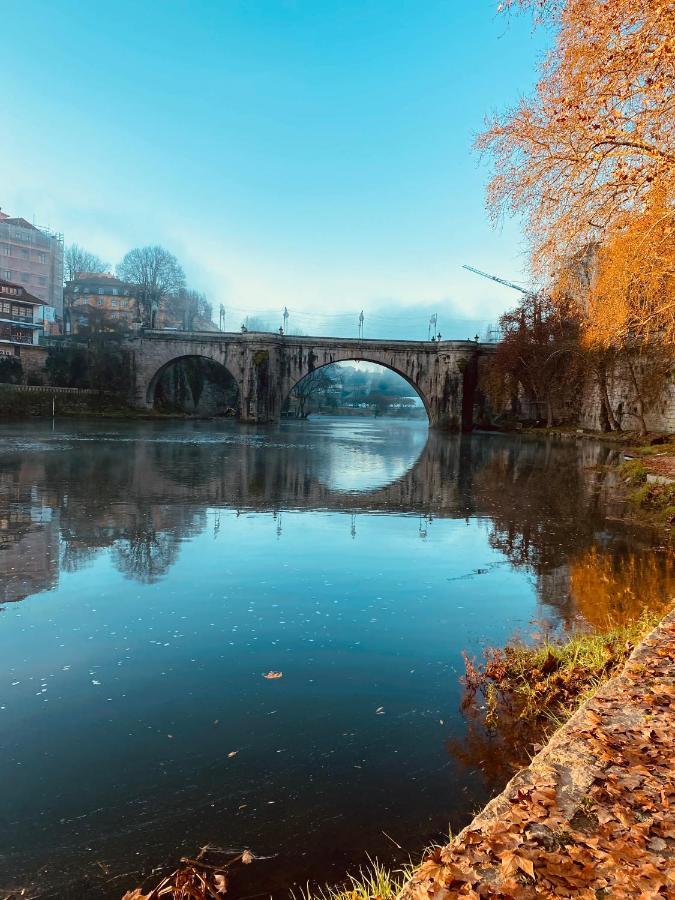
{"type": "Point", "coordinates": [204, 878]}
{"type": "Point", "coordinates": [592, 816]}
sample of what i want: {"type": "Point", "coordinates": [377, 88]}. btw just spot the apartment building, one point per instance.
{"type": "Point", "coordinates": [22, 318]}
{"type": "Point", "coordinates": [33, 258]}
{"type": "Point", "coordinates": [98, 297]}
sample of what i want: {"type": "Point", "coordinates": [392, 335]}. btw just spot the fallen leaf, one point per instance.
{"type": "Point", "coordinates": [247, 857]}
{"type": "Point", "coordinates": [272, 675]}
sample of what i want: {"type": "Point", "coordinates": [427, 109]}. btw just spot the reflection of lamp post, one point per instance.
{"type": "Point", "coordinates": [353, 528]}
{"type": "Point", "coordinates": [361, 324]}
{"type": "Point", "coordinates": [285, 320]}
{"type": "Point", "coordinates": [279, 524]}
{"type": "Point", "coordinates": [222, 317]}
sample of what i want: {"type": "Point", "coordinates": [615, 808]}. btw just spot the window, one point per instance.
{"type": "Point", "coordinates": [76, 290]}
{"type": "Point", "coordinates": [6, 274]}
{"type": "Point", "coordinates": [115, 292]}
{"type": "Point", "coordinates": [5, 250]}
{"type": "Point", "coordinates": [5, 308]}
{"type": "Point", "coordinates": [100, 291]}
{"type": "Point", "coordinates": [42, 279]}
{"type": "Point", "coordinates": [125, 304]}
{"type": "Point", "coordinates": [100, 301]}
{"type": "Point", "coordinates": [24, 253]}
{"type": "Point", "coordinates": [42, 258]}
{"type": "Point", "coordinates": [25, 277]}
{"type": "Point", "coordinates": [113, 303]}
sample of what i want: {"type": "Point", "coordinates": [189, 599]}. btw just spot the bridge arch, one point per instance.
{"type": "Point", "coordinates": [183, 381]}
{"type": "Point", "coordinates": [372, 360]}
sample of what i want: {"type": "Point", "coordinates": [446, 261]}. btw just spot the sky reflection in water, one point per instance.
{"type": "Point", "coordinates": [151, 573]}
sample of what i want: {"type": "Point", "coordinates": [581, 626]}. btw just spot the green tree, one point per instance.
{"type": "Point", "coordinates": [11, 370]}
{"type": "Point", "coordinates": [66, 366]}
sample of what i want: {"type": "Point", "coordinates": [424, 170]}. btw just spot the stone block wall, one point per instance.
{"type": "Point", "coordinates": [33, 360]}
{"type": "Point", "coordinates": [660, 415]}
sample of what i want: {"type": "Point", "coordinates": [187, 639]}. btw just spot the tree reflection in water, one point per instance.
{"type": "Point", "coordinates": [606, 591]}
{"type": "Point", "coordinates": [142, 490]}
{"type": "Point", "coordinates": [145, 554]}
{"type": "Point", "coordinates": [618, 588]}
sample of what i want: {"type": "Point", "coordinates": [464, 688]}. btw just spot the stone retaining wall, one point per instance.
{"type": "Point", "coordinates": [659, 417]}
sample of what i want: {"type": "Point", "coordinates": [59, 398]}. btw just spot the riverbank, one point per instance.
{"type": "Point", "coordinates": [29, 402]}
{"type": "Point", "coordinates": [32, 402]}
{"type": "Point", "coordinates": [645, 488]}
{"type": "Point", "coordinates": [592, 815]}
{"type": "Point", "coordinates": [648, 477]}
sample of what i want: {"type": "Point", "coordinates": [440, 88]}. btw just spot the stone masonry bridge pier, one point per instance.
{"type": "Point", "coordinates": [267, 367]}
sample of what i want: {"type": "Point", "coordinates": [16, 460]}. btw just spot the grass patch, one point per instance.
{"type": "Point", "coordinates": [375, 882]}
{"type": "Point", "coordinates": [632, 471]}
{"type": "Point", "coordinates": [665, 449]}
{"type": "Point", "coordinates": [519, 695]}
{"type": "Point", "coordinates": [654, 502]}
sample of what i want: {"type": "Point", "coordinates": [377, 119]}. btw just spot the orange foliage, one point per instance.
{"type": "Point", "coordinates": [619, 589]}
{"type": "Point", "coordinates": [634, 290]}
{"type": "Point", "coordinates": [590, 160]}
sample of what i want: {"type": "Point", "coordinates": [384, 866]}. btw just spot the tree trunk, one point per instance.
{"type": "Point", "coordinates": [604, 400]}
{"type": "Point", "coordinates": [639, 403]}
{"type": "Point", "coordinates": [549, 413]}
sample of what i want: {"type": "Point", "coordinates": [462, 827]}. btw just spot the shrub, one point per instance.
{"type": "Point", "coordinates": [11, 370]}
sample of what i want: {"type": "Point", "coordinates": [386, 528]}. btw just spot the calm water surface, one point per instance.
{"type": "Point", "coordinates": [151, 573]}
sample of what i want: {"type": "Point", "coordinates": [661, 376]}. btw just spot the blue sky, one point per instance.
{"type": "Point", "coordinates": [304, 153]}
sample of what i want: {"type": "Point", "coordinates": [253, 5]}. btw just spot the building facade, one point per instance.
{"type": "Point", "coordinates": [22, 318]}
{"type": "Point", "coordinates": [33, 258]}
{"type": "Point", "coordinates": [94, 300]}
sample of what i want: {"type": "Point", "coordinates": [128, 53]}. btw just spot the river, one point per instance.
{"type": "Point", "coordinates": [152, 573]}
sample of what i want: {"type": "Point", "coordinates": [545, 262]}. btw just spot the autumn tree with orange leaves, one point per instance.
{"type": "Point", "coordinates": [589, 162]}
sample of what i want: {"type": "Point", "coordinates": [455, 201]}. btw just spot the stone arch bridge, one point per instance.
{"type": "Point", "coordinates": [267, 367]}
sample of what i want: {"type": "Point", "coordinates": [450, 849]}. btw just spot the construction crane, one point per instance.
{"type": "Point", "coordinates": [516, 287]}
{"type": "Point", "coordinates": [493, 333]}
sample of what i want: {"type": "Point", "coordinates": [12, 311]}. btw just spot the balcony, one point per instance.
{"type": "Point", "coordinates": [20, 320]}
{"type": "Point", "coordinates": [16, 334]}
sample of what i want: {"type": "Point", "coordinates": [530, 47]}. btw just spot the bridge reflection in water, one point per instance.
{"type": "Point", "coordinates": [143, 489]}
